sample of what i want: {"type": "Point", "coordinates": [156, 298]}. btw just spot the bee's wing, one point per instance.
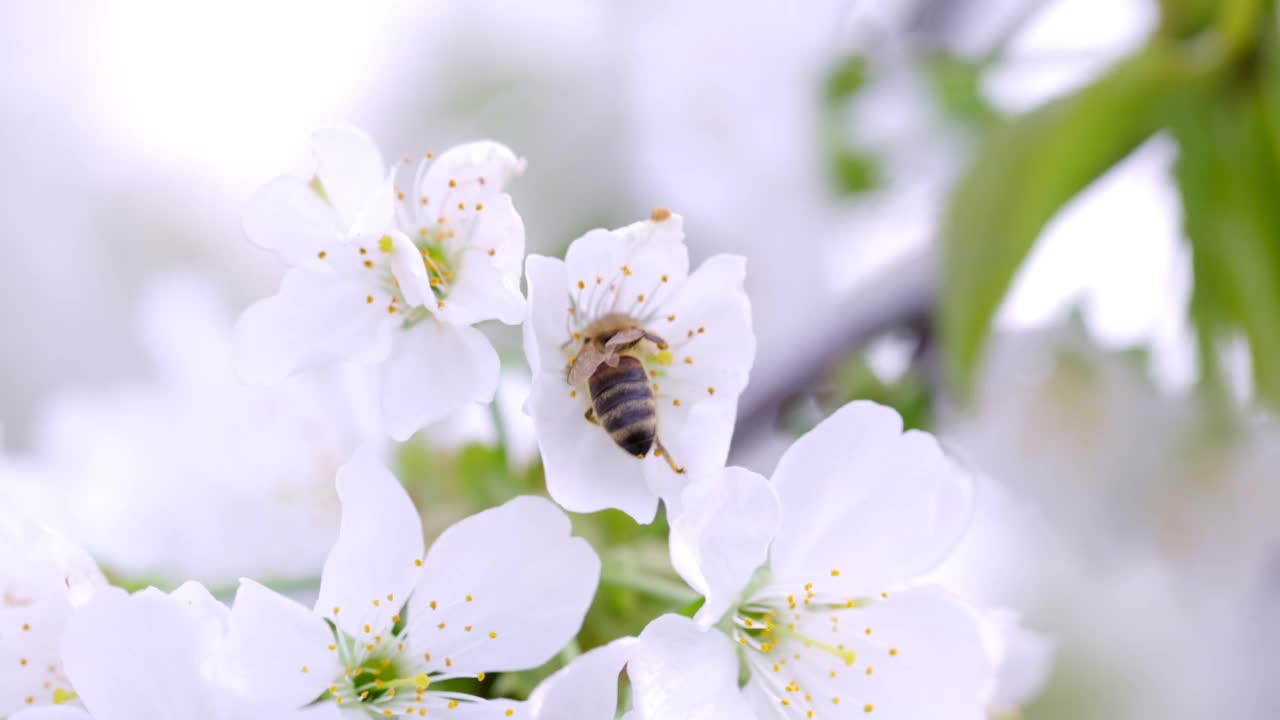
{"type": "Point", "coordinates": [624, 338]}
{"type": "Point", "coordinates": [589, 358]}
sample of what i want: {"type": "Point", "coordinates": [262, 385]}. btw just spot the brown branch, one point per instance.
{"type": "Point", "coordinates": [901, 295]}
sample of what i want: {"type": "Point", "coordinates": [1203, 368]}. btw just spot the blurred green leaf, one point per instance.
{"type": "Point", "coordinates": [1227, 175]}
{"type": "Point", "coordinates": [1025, 170]}
{"type": "Point", "coordinates": [853, 170]}
{"type": "Point", "coordinates": [909, 395]}
{"type": "Point", "coordinates": [1183, 18]}
{"type": "Point", "coordinates": [957, 85]}
{"type": "Point", "coordinates": [846, 79]}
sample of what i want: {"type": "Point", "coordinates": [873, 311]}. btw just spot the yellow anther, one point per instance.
{"type": "Point", "coordinates": [385, 243]}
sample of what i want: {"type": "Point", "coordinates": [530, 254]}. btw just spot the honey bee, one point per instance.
{"type": "Point", "coordinates": [622, 400]}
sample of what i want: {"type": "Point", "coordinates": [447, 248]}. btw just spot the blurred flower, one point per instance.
{"type": "Point", "coordinates": [192, 474]}
{"type": "Point", "coordinates": [148, 656]}
{"type": "Point", "coordinates": [370, 260]}
{"type": "Point", "coordinates": [625, 299]}
{"type": "Point", "coordinates": [585, 689]}
{"type": "Point", "coordinates": [1022, 660]}
{"type": "Point", "coordinates": [499, 591]}
{"type": "Point", "coordinates": [43, 578]}
{"type": "Point", "coordinates": [855, 512]}
{"type": "Point", "coordinates": [1078, 432]}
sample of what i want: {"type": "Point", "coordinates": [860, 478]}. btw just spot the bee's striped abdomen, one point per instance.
{"type": "Point", "coordinates": [624, 405]}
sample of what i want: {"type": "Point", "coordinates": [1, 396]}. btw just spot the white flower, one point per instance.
{"type": "Point", "coordinates": [43, 577]}
{"type": "Point", "coordinates": [1079, 432]}
{"type": "Point", "coordinates": [391, 277]}
{"type": "Point", "coordinates": [585, 689]}
{"type": "Point", "coordinates": [191, 474]}
{"type": "Point", "coordinates": [1022, 659]}
{"type": "Point", "coordinates": [832, 626]}
{"type": "Point", "coordinates": [150, 656]}
{"type": "Point", "coordinates": [695, 355]}
{"type": "Point", "coordinates": [502, 590]}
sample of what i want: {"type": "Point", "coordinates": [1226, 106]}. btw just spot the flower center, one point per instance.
{"type": "Point", "coordinates": [757, 627]}
{"type": "Point", "coordinates": [431, 245]}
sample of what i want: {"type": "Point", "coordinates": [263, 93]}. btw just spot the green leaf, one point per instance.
{"type": "Point", "coordinates": [1025, 170]}
{"type": "Point", "coordinates": [853, 170]}
{"type": "Point", "coordinates": [957, 85]}
{"type": "Point", "coordinates": [846, 79]}
{"type": "Point", "coordinates": [1230, 183]}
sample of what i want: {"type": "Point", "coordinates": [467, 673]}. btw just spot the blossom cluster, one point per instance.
{"type": "Point", "coordinates": [815, 600]}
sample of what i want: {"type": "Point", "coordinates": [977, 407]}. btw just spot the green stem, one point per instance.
{"type": "Point", "coordinates": [499, 427]}
{"type": "Point", "coordinates": [570, 651]}
{"type": "Point", "coordinates": [654, 586]}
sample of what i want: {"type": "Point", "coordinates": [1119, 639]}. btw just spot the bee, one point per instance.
{"type": "Point", "coordinates": [622, 400]}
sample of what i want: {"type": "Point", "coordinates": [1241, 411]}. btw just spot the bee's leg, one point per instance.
{"type": "Point", "coordinates": [590, 416]}
{"type": "Point", "coordinates": [661, 452]}
{"type": "Point", "coordinates": [656, 340]}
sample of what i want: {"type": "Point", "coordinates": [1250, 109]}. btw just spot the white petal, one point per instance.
{"type": "Point", "coordinates": [722, 537]}
{"type": "Point", "coordinates": [923, 635]}
{"type": "Point", "coordinates": [486, 710]}
{"type": "Point", "coordinates": [510, 586]}
{"type": "Point", "coordinates": [630, 270]}
{"type": "Point", "coordinates": [288, 217]}
{"type": "Point", "coordinates": [53, 712]}
{"type": "Point", "coordinates": [864, 506]}
{"type": "Point", "coordinates": [678, 670]}
{"type": "Point", "coordinates": [545, 329]}
{"type": "Point", "coordinates": [316, 319]}
{"type": "Point", "coordinates": [43, 576]}
{"type": "Point", "coordinates": [109, 640]}
{"type": "Point", "coordinates": [435, 369]}
{"type": "Point", "coordinates": [465, 165]}
{"type": "Point", "coordinates": [408, 268]}
{"type": "Point", "coordinates": [486, 285]}
{"type": "Point", "coordinates": [587, 689]}
{"type": "Point", "coordinates": [212, 619]}
{"type": "Point", "coordinates": [352, 173]}
{"type": "Point", "coordinates": [379, 544]}
{"type": "Point", "coordinates": [272, 640]}
{"type": "Point", "coordinates": [32, 633]}
{"type": "Point", "coordinates": [709, 330]}
{"type": "Point", "coordinates": [585, 470]}
{"type": "Point", "coordinates": [697, 436]}
{"type": "Point", "coordinates": [1023, 659]}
